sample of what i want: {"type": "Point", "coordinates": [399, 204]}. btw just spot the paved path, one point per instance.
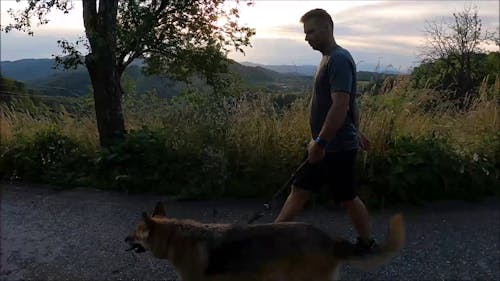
{"type": "Point", "coordinates": [78, 235]}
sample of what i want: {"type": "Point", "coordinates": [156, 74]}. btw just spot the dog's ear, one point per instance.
{"type": "Point", "coordinates": [147, 219]}
{"type": "Point", "coordinates": [159, 210]}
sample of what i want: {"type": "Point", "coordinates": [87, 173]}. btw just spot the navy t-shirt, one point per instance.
{"type": "Point", "coordinates": [336, 73]}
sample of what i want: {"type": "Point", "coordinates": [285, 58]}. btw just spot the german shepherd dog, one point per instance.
{"type": "Point", "coordinates": [265, 252]}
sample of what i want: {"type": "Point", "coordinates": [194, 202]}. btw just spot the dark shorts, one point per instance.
{"type": "Point", "coordinates": [336, 171]}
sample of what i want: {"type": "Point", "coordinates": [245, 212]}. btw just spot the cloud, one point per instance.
{"type": "Point", "coordinates": [394, 18]}
{"type": "Point", "coordinates": [408, 16]}
{"type": "Point", "coordinates": [387, 31]}
{"type": "Point", "coordinates": [278, 51]}
{"type": "Point", "coordinates": [418, 9]}
{"type": "Point", "coordinates": [295, 31]}
{"type": "Point", "coordinates": [391, 43]}
{"type": "Point", "coordinates": [295, 52]}
{"type": "Point", "coordinates": [391, 30]}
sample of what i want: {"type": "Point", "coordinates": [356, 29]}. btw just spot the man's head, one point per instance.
{"type": "Point", "coordinates": [318, 27]}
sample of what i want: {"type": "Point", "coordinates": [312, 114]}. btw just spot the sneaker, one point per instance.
{"type": "Point", "coordinates": [367, 247]}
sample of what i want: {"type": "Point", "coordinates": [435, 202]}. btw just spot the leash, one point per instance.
{"type": "Point", "coordinates": [267, 206]}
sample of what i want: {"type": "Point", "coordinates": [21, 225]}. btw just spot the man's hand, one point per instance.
{"type": "Point", "coordinates": [364, 143]}
{"type": "Point", "coordinates": [316, 152]}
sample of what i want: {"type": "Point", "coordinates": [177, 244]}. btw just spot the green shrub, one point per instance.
{"type": "Point", "coordinates": [49, 156]}
{"type": "Point", "coordinates": [147, 161]}
{"type": "Point", "coordinates": [418, 169]}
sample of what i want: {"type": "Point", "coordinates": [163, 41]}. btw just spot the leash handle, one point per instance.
{"type": "Point", "coordinates": [267, 205]}
{"type": "Point", "coordinates": [300, 167]}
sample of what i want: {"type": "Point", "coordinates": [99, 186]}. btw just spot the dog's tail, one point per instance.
{"type": "Point", "coordinates": [369, 260]}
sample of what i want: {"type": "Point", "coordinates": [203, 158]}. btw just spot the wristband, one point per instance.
{"type": "Point", "coordinates": [321, 142]}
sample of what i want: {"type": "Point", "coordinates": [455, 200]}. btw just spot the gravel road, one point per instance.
{"type": "Point", "coordinates": [78, 234]}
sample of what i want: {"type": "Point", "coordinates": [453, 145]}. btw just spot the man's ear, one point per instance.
{"type": "Point", "coordinates": [159, 210]}
{"type": "Point", "coordinates": [147, 219]}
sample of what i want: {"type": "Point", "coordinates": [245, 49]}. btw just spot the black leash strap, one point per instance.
{"type": "Point", "coordinates": [267, 206]}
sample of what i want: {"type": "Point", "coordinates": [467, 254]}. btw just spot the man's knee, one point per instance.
{"type": "Point", "coordinates": [299, 193]}
{"type": "Point", "coordinates": [347, 204]}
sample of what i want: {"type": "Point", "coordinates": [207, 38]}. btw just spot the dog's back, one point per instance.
{"type": "Point", "coordinates": [294, 247]}
{"type": "Point", "coordinates": [250, 248]}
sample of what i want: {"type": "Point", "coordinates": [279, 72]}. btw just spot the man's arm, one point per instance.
{"type": "Point", "coordinates": [333, 122]}
{"type": "Point", "coordinates": [336, 115]}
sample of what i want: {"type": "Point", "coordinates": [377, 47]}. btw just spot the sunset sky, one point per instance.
{"type": "Point", "coordinates": [389, 32]}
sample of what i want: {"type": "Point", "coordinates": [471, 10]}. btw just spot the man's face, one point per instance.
{"type": "Point", "coordinates": [316, 33]}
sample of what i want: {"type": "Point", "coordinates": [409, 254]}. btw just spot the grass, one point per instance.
{"type": "Point", "coordinates": [422, 113]}
{"type": "Point", "coordinates": [247, 146]}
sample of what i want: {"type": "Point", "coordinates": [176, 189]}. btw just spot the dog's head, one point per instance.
{"type": "Point", "coordinates": [138, 241]}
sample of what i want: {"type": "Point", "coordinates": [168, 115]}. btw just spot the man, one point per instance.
{"type": "Point", "coordinates": [334, 118]}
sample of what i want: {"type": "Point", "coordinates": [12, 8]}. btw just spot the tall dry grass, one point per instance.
{"type": "Point", "coordinates": [253, 130]}
{"type": "Point", "coordinates": [423, 113]}
{"type": "Point", "coordinates": [247, 146]}
{"type": "Point", "coordinates": [24, 124]}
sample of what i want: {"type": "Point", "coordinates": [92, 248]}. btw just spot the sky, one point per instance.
{"type": "Point", "coordinates": [386, 32]}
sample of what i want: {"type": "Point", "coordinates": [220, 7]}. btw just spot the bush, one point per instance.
{"type": "Point", "coordinates": [49, 157]}
{"type": "Point", "coordinates": [247, 146]}
{"type": "Point", "coordinates": [418, 169]}
{"type": "Point", "coordinates": [147, 161]}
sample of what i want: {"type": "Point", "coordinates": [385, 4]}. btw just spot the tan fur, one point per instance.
{"type": "Point", "coordinates": [266, 252]}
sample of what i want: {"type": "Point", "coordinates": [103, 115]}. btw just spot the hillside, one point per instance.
{"type": "Point", "coordinates": [306, 70]}
{"type": "Point", "coordinates": [39, 75]}
{"type": "Point", "coordinates": [28, 69]}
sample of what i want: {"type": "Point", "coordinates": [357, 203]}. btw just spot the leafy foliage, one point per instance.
{"type": "Point", "coordinates": [199, 145]}
{"type": "Point", "coordinates": [49, 156]}
{"type": "Point", "coordinates": [421, 169]}
{"type": "Point", "coordinates": [146, 162]}
{"type": "Point", "coordinates": [453, 58]}
{"type": "Point", "coordinates": [438, 75]}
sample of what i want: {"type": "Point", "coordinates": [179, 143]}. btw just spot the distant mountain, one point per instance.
{"type": "Point", "coordinates": [306, 70]}
{"type": "Point", "coordinates": [255, 74]}
{"type": "Point", "coordinates": [59, 83]}
{"type": "Point", "coordinates": [28, 69]}
{"type": "Point", "coordinates": [38, 74]}
{"type": "Point", "coordinates": [310, 70]}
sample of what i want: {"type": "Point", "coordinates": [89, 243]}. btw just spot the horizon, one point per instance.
{"type": "Point", "coordinates": [366, 28]}
{"type": "Point", "coordinates": [246, 63]}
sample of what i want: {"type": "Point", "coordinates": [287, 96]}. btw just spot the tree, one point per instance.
{"type": "Point", "coordinates": [451, 49]}
{"type": "Point", "coordinates": [176, 38]}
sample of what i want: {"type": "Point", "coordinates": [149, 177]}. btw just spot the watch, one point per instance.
{"type": "Point", "coordinates": [321, 142]}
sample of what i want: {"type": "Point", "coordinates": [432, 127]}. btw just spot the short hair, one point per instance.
{"type": "Point", "coordinates": [320, 14]}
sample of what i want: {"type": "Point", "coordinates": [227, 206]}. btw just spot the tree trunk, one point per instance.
{"type": "Point", "coordinates": [107, 98]}
{"type": "Point", "coordinates": [100, 28]}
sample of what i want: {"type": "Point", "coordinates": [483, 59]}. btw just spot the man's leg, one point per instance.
{"type": "Point", "coordinates": [293, 204]}
{"type": "Point", "coordinates": [359, 217]}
